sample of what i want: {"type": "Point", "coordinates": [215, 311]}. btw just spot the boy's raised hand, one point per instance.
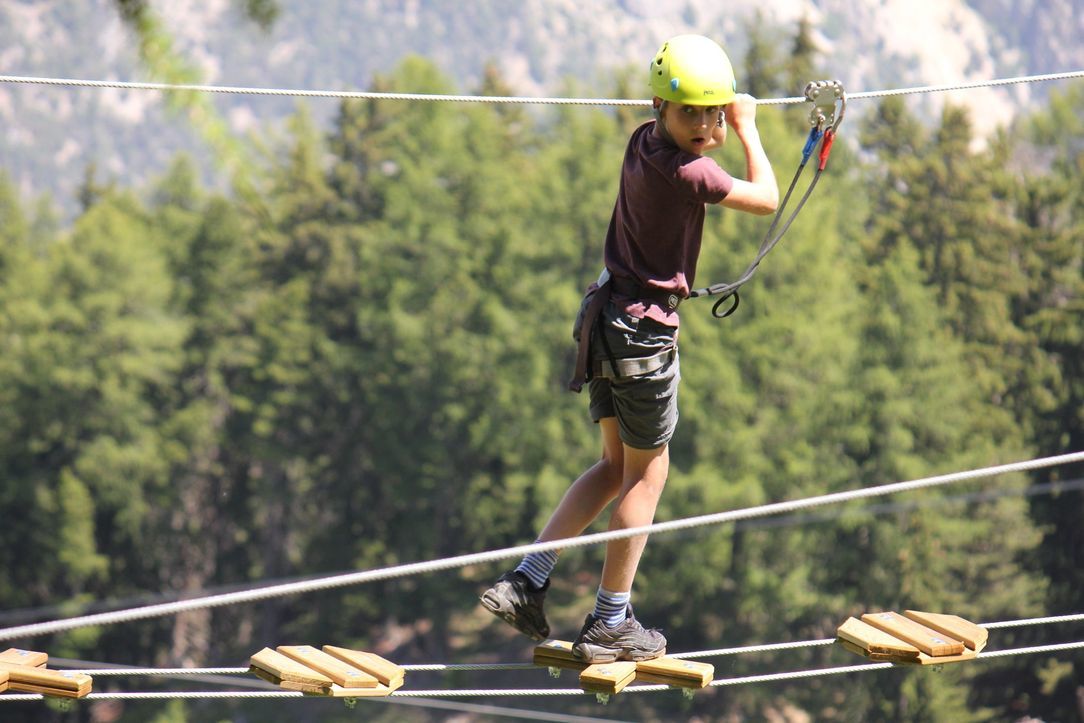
{"type": "Point", "coordinates": [741, 113]}
{"type": "Point", "coordinates": [758, 194]}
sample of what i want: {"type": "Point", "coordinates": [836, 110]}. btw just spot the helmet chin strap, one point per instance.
{"type": "Point", "coordinates": [660, 124]}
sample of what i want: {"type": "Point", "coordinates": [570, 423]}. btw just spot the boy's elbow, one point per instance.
{"type": "Point", "coordinates": [765, 197]}
{"type": "Point", "coordinates": [768, 205]}
{"type": "Point", "coordinates": [760, 199]}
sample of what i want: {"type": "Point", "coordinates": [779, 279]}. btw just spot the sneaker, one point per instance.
{"type": "Point", "coordinates": [515, 600]}
{"type": "Point", "coordinates": [599, 643]}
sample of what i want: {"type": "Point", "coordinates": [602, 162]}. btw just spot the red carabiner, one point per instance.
{"type": "Point", "coordinates": [826, 148]}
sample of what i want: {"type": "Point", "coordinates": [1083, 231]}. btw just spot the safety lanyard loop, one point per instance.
{"type": "Point", "coordinates": [824, 120]}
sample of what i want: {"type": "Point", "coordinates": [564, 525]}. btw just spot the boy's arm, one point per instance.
{"type": "Point", "coordinates": [760, 193]}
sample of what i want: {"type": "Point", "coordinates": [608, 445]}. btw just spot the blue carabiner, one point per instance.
{"type": "Point", "coordinates": [811, 143]}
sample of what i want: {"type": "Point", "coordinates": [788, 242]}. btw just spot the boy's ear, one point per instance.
{"type": "Point", "coordinates": [656, 102]}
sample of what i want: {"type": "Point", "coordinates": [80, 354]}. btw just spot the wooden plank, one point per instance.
{"type": "Point", "coordinates": [557, 654]}
{"type": "Point", "coordinates": [675, 672]}
{"type": "Point", "coordinates": [340, 672]}
{"type": "Point", "coordinates": [25, 675]}
{"type": "Point", "coordinates": [30, 658]}
{"type": "Point", "coordinates": [859, 650]}
{"type": "Point", "coordinates": [287, 669]}
{"type": "Point", "coordinates": [337, 691]}
{"type": "Point", "coordinates": [878, 657]}
{"type": "Point", "coordinates": [288, 684]}
{"type": "Point", "coordinates": [332, 691]}
{"type": "Point", "coordinates": [874, 640]}
{"type": "Point", "coordinates": [972, 635]}
{"type": "Point", "coordinates": [924, 659]}
{"type": "Point", "coordinates": [50, 691]}
{"type": "Point", "coordinates": [925, 639]}
{"type": "Point", "coordinates": [607, 678]}
{"type": "Point", "coordinates": [385, 671]}
{"type": "Point", "coordinates": [3, 680]}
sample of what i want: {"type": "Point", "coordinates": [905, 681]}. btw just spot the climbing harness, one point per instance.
{"type": "Point", "coordinates": [824, 120]}
{"type": "Point", "coordinates": [613, 367]}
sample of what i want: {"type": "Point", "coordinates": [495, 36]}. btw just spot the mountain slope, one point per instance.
{"type": "Point", "coordinates": [51, 134]}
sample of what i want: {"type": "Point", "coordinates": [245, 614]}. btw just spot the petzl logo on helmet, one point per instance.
{"type": "Point", "coordinates": [674, 83]}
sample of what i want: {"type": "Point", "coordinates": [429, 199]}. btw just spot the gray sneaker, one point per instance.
{"type": "Point", "coordinates": [514, 600]}
{"type": "Point", "coordinates": [599, 643]}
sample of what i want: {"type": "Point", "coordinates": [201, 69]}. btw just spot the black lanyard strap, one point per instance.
{"type": "Point", "coordinates": [823, 95]}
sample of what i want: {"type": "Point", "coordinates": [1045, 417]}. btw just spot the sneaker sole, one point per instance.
{"type": "Point", "coordinates": [593, 654]}
{"type": "Point", "coordinates": [509, 616]}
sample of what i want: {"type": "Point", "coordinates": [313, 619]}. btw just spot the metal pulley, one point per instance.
{"type": "Point", "coordinates": [824, 95]}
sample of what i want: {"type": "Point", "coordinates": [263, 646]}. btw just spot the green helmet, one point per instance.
{"type": "Point", "coordinates": [692, 70]}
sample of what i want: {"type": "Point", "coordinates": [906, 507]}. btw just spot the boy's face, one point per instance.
{"type": "Point", "coordinates": [691, 126]}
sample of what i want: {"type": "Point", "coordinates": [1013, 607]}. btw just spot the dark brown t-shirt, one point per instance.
{"type": "Point", "coordinates": [658, 220]}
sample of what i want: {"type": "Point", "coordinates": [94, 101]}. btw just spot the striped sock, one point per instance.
{"type": "Point", "coordinates": [610, 607]}
{"type": "Point", "coordinates": [537, 566]}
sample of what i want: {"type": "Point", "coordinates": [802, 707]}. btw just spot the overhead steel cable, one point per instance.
{"type": "Point", "coordinates": [21, 616]}
{"type": "Point", "coordinates": [372, 95]}
{"type": "Point", "coordinates": [416, 568]}
{"type": "Point", "coordinates": [268, 592]}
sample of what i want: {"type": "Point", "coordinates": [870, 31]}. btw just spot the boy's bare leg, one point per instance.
{"type": "Point", "coordinates": [518, 596]}
{"type": "Point", "coordinates": [636, 477]}
{"type": "Point", "coordinates": [645, 472]}
{"type": "Point", "coordinates": [592, 491]}
{"type": "Point", "coordinates": [612, 632]}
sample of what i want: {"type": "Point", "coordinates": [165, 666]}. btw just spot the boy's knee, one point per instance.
{"type": "Point", "coordinates": [613, 474]}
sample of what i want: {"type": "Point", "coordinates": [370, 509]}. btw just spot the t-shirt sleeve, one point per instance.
{"type": "Point", "coordinates": [704, 180]}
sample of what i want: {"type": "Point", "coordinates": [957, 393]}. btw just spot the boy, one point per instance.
{"type": "Point", "coordinates": [628, 327]}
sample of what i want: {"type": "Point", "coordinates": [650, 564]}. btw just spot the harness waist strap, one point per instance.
{"type": "Point", "coordinates": [632, 289]}
{"type": "Point", "coordinates": [633, 367]}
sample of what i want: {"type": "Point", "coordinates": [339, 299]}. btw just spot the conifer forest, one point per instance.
{"type": "Point", "coordinates": [353, 353]}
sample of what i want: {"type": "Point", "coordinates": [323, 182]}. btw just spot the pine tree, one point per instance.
{"type": "Point", "coordinates": [941, 316]}
{"type": "Point", "coordinates": [91, 346]}
{"type": "Point", "coordinates": [801, 66]}
{"type": "Point", "coordinates": [1049, 250]}
{"type": "Point", "coordinates": [760, 68]}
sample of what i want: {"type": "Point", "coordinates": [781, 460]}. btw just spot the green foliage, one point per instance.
{"type": "Point", "coordinates": [359, 360]}
{"type": "Point", "coordinates": [90, 345]}
{"type": "Point", "coordinates": [761, 69]}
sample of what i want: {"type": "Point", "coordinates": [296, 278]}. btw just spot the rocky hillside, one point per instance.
{"type": "Point", "coordinates": [51, 134]}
